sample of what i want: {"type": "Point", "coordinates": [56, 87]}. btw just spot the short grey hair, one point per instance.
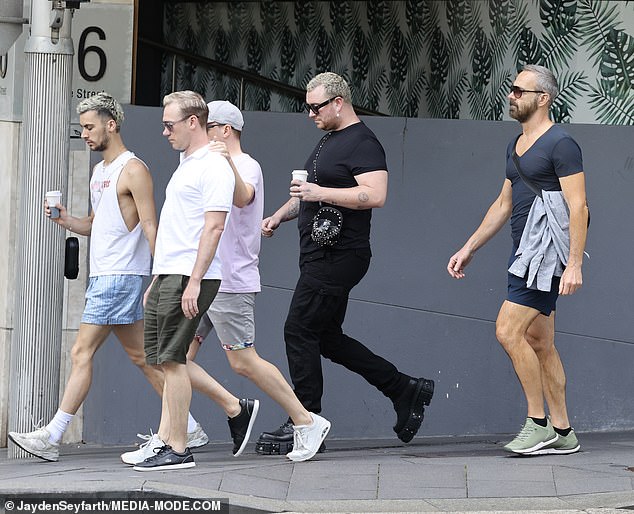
{"type": "Point", "coordinates": [545, 80]}
{"type": "Point", "coordinates": [334, 85]}
{"type": "Point", "coordinates": [106, 106]}
{"type": "Point", "coordinates": [190, 103]}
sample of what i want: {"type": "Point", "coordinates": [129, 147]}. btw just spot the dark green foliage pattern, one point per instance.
{"type": "Point", "coordinates": [446, 59]}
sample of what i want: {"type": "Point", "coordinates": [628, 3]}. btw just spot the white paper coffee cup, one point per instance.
{"type": "Point", "coordinates": [300, 175]}
{"type": "Point", "coordinates": [53, 199]}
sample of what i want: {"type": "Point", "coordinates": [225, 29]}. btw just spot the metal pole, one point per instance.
{"type": "Point", "coordinates": [36, 343]}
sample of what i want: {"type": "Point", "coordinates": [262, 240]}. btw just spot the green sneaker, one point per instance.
{"type": "Point", "coordinates": [531, 438]}
{"type": "Point", "coordinates": [564, 445]}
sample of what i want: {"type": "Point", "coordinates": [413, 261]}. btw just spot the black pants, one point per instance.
{"type": "Point", "coordinates": [313, 327]}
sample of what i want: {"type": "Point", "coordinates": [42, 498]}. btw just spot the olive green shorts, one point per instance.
{"type": "Point", "coordinates": [168, 332]}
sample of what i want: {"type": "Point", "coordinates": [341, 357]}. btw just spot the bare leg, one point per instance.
{"type": "Point", "coordinates": [202, 382]}
{"type": "Point", "coordinates": [541, 337]}
{"type": "Point", "coordinates": [131, 337]}
{"type": "Point", "coordinates": [164, 424]}
{"type": "Point", "coordinates": [178, 395]}
{"type": "Point", "coordinates": [262, 373]}
{"type": "Point", "coordinates": [511, 327]}
{"type": "Point", "coordinates": [89, 340]}
{"type": "Point", "coordinates": [193, 349]}
{"type": "Point", "coordinates": [268, 378]}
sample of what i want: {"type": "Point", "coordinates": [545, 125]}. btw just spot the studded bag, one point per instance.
{"type": "Point", "coordinates": [327, 226]}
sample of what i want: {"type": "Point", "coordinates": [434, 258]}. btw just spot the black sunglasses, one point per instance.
{"type": "Point", "coordinates": [315, 107]}
{"type": "Point", "coordinates": [518, 91]}
{"type": "Point", "coordinates": [169, 125]}
{"type": "Point", "coordinates": [213, 125]}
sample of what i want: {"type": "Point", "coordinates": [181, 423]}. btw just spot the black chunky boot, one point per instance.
{"type": "Point", "coordinates": [410, 407]}
{"type": "Point", "coordinates": [279, 442]}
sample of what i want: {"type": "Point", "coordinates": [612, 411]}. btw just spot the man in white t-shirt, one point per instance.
{"type": "Point", "coordinates": [232, 311]}
{"type": "Point", "coordinates": [187, 269]}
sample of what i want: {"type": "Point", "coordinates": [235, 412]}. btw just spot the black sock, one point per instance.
{"type": "Point", "coordinates": [563, 431]}
{"type": "Point", "coordinates": [542, 422]}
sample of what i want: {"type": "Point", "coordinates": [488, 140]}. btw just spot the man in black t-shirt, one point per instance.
{"type": "Point", "coordinates": [543, 159]}
{"type": "Point", "coordinates": [346, 171]}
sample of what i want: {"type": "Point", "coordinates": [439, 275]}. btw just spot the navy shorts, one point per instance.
{"type": "Point", "coordinates": [543, 301]}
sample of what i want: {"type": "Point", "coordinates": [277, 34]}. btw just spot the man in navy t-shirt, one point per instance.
{"type": "Point", "coordinates": [549, 160]}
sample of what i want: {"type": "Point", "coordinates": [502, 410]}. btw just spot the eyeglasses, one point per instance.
{"type": "Point", "coordinates": [518, 91]}
{"type": "Point", "coordinates": [213, 125]}
{"type": "Point", "coordinates": [169, 125]}
{"type": "Point", "coordinates": [315, 107]}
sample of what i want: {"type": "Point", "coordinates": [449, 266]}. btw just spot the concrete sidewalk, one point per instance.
{"type": "Point", "coordinates": [467, 474]}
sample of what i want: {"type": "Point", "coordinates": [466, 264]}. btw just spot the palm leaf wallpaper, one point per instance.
{"type": "Point", "coordinates": [428, 58]}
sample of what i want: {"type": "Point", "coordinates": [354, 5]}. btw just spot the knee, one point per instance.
{"type": "Point", "coordinates": [80, 355]}
{"type": "Point", "coordinates": [136, 356]}
{"type": "Point", "coordinates": [240, 366]}
{"type": "Point", "coordinates": [540, 343]}
{"type": "Point", "coordinates": [138, 359]}
{"type": "Point", "coordinates": [291, 328]}
{"type": "Point", "coordinates": [327, 350]}
{"type": "Point", "coordinates": [503, 333]}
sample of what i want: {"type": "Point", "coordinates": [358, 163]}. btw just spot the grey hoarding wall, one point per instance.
{"type": "Point", "coordinates": [443, 176]}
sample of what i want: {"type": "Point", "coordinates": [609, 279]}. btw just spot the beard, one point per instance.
{"type": "Point", "coordinates": [103, 144]}
{"type": "Point", "coordinates": [523, 114]}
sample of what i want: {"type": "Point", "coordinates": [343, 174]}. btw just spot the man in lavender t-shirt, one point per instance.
{"type": "Point", "coordinates": [232, 311]}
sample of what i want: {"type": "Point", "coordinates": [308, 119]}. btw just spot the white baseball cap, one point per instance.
{"type": "Point", "coordinates": [225, 113]}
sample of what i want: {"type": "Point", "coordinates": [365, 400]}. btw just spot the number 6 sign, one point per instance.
{"type": "Point", "coordinates": [103, 38]}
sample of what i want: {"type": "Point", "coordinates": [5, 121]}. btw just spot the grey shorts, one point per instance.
{"type": "Point", "coordinates": [113, 300]}
{"type": "Point", "coordinates": [233, 316]}
{"type": "Point", "coordinates": [167, 332]}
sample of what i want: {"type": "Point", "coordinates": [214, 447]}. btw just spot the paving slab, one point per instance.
{"type": "Point", "coordinates": [453, 474]}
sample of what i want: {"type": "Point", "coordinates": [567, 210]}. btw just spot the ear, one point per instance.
{"type": "Point", "coordinates": [111, 125]}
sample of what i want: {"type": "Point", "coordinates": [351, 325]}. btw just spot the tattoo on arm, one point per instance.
{"type": "Point", "coordinates": [363, 197]}
{"type": "Point", "coordinates": [293, 210]}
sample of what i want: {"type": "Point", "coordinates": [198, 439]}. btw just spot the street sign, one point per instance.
{"type": "Point", "coordinates": [103, 37]}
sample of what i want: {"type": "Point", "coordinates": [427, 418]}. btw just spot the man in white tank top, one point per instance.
{"type": "Point", "coordinates": [122, 225]}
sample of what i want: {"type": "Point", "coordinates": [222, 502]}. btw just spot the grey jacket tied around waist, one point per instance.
{"type": "Point", "coordinates": [545, 244]}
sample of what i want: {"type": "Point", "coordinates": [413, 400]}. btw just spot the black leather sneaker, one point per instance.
{"type": "Point", "coordinates": [279, 442]}
{"type": "Point", "coordinates": [166, 458]}
{"type": "Point", "coordinates": [241, 425]}
{"type": "Point", "coordinates": [410, 407]}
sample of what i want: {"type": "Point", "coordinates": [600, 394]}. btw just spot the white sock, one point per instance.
{"type": "Point", "coordinates": [58, 425]}
{"type": "Point", "coordinates": [191, 423]}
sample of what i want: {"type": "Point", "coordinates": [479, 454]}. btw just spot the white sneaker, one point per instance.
{"type": "Point", "coordinates": [197, 438]}
{"type": "Point", "coordinates": [37, 443]}
{"type": "Point", "coordinates": [308, 438]}
{"type": "Point", "coordinates": [145, 450]}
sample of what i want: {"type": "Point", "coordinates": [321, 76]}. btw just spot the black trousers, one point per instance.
{"type": "Point", "coordinates": [313, 327]}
